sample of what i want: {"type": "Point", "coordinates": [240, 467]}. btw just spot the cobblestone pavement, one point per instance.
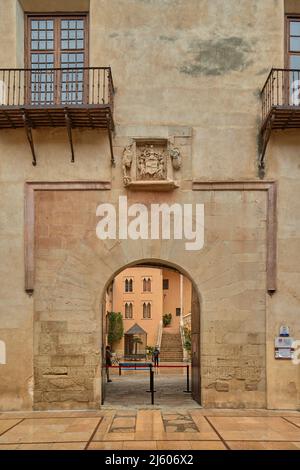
{"type": "Point", "coordinates": [131, 389]}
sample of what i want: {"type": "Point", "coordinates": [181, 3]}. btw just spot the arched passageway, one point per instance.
{"type": "Point", "coordinates": [140, 297]}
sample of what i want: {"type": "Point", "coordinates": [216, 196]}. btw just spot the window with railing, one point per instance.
{"type": "Point", "coordinates": [57, 55]}
{"type": "Point", "coordinates": [57, 88]}
{"type": "Point", "coordinates": [293, 42]}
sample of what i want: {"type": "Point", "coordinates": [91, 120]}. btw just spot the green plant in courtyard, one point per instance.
{"type": "Point", "coordinates": [115, 327]}
{"type": "Point", "coordinates": [187, 339]}
{"type": "Point", "coordinates": [167, 318]}
{"type": "Point", "coordinates": [150, 350]}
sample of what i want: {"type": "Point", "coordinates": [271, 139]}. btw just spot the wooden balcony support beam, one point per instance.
{"type": "Point", "coordinates": [109, 130]}
{"type": "Point", "coordinates": [69, 128]}
{"type": "Point", "coordinates": [28, 130]}
{"type": "Point", "coordinates": [264, 138]}
{"type": "Point", "coordinates": [9, 120]}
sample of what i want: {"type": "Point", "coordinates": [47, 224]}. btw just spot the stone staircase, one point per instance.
{"type": "Point", "coordinates": [171, 347]}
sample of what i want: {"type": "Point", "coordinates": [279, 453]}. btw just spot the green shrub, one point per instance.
{"type": "Point", "coordinates": [115, 327]}
{"type": "Point", "coordinates": [167, 318]}
{"type": "Point", "coordinates": [150, 350]}
{"type": "Point", "coordinates": [187, 338]}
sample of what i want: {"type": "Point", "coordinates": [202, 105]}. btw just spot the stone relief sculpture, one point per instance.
{"type": "Point", "coordinates": [151, 163]}
{"type": "Point", "coordinates": [127, 164]}
{"type": "Point", "coordinates": [175, 157]}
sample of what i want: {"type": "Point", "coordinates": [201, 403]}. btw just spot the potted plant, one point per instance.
{"type": "Point", "coordinates": [150, 350]}
{"type": "Point", "coordinates": [167, 318]}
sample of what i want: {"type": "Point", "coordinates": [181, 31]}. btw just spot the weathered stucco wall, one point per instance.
{"type": "Point", "coordinates": [172, 299]}
{"type": "Point", "coordinates": [192, 63]}
{"type": "Point", "coordinates": [202, 63]}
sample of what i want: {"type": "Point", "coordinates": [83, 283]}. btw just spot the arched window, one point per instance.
{"type": "Point", "coordinates": [146, 284]}
{"type": "Point", "coordinates": [149, 310]}
{"type": "Point", "coordinates": [146, 310]}
{"type": "Point", "coordinates": [128, 285]}
{"type": "Point", "coordinates": [128, 310]}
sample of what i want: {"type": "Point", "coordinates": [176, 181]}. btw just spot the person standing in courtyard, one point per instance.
{"type": "Point", "coordinates": [108, 356]}
{"type": "Point", "coordinates": [155, 356]}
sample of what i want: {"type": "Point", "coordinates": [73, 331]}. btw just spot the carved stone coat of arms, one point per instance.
{"type": "Point", "coordinates": [151, 163]}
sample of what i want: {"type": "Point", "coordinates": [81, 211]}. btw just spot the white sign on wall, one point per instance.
{"type": "Point", "coordinates": [2, 352]}
{"type": "Point", "coordinates": [284, 347]}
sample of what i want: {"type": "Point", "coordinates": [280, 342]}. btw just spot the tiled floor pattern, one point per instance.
{"type": "Point", "coordinates": [178, 422]}
{"type": "Point", "coordinates": [124, 421]}
{"type": "Point", "coordinates": [151, 430]}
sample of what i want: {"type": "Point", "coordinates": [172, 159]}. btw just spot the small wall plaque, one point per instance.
{"type": "Point", "coordinates": [283, 347]}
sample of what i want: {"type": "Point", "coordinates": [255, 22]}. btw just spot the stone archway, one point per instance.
{"type": "Point", "coordinates": [67, 327]}
{"type": "Point", "coordinates": [195, 324]}
{"type": "Point", "coordinates": [73, 267]}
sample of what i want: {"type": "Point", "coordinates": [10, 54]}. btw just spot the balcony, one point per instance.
{"type": "Point", "coordinates": [57, 97]}
{"type": "Point", "coordinates": [280, 106]}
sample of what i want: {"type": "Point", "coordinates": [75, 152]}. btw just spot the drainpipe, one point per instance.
{"type": "Point", "coordinates": [185, 355]}
{"type": "Point", "coordinates": [181, 297]}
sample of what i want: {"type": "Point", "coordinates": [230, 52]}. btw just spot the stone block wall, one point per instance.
{"type": "Point", "coordinates": [73, 267]}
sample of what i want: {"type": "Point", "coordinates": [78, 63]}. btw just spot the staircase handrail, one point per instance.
{"type": "Point", "coordinates": [182, 335]}
{"type": "Point", "coordinates": [159, 334]}
{"type": "Point", "coordinates": [187, 315]}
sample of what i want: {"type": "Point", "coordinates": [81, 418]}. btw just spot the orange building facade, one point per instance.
{"type": "Point", "coordinates": [143, 295]}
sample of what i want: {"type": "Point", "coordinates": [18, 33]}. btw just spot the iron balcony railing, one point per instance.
{"type": "Point", "coordinates": [281, 89]}
{"type": "Point", "coordinates": [43, 87]}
